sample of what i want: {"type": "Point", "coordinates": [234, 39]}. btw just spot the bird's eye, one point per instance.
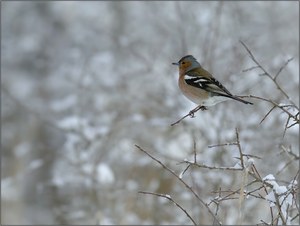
{"type": "Point", "coordinates": [182, 62]}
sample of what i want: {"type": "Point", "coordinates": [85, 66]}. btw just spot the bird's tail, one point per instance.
{"type": "Point", "coordinates": [232, 97]}
{"type": "Point", "coordinates": [241, 100]}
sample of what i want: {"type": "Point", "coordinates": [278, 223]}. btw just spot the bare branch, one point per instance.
{"type": "Point", "coordinates": [195, 152]}
{"type": "Point", "coordinates": [267, 114]}
{"type": "Point", "coordinates": [289, 151]}
{"type": "Point", "coordinates": [282, 67]}
{"type": "Point", "coordinates": [264, 223]}
{"type": "Point", "coordinates": [218, 145]}
{"type": "Point", "coordinates": [191, 114]}
{"type": "Point", "coordinates": [172, 200]}
{"type": "Point", "coordinates": [250, 69]}
{"type": "Point", "coordinates": [286, 126]}
{"type": "Point", "coordinates": [217, 205]}
{"type": "Point", "coordinates": [284, 108]}
{"type": "Point", "coordinates": [265, 72]}
{"type": "Point", "coordinates": [212, 167]}
{"type": "Point", "coordinates": [239, 147]}
{"type": "Point", "coordinates": [278, 205]}
{"type": "Point", "coordinates": [182, 181]}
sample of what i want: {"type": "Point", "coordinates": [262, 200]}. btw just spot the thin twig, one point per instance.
{"type": "Point", "coordinates": [289, 151]}
{"type": "Point", "coordinates": [278, 205]}
{"type": "Point", "coordinates": [239, 147]}
{"type": "Point", "coordinates": [251, 68]}
{"type": "Point", "coordinates": [217, 204]}
{"type": "Point", "coordinates": [267, 114]}
{"type": "Point", "coordinates": [286, 126]}
{"type": "Point", "coordinates": [282, 67]}
{"type": "Point", "coordinates": [265, 223]}
{"type": "Point", "coordinates": [211, 167]}
{"type": "Point", "coordinates": [295, 117]}
{"type": "Point", "coordinates": [170, 199]}
{"type": "Point", "coordinates": [183, 172]}
{"type": "Point", "coordinates": [182, 181]}
{"type": "Point", "coordinates": [258, 178]}
{"type": "Point", "coordinates": [191, 114]}
{"type": "Point", "coordinates": [195, 152]}
{"type": "Point", "coordinates": [273, 78]}
{"type": "Point", "coordinates": [218, 145]}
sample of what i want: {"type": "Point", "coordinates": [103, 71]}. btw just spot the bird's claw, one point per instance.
{"type": "Point", "coordinates": [192, 112]}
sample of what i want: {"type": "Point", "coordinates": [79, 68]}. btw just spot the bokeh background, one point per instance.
{"type": "Point", "coordinates": [83, 82]}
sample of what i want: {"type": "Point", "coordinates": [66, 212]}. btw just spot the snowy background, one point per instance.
{"type": "Point", "coordinates": [83, 82]}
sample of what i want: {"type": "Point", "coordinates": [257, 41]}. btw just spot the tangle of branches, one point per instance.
{"type": "Point", "coordinates": [283, 200]}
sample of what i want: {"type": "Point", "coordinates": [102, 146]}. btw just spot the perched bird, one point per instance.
{"type": "Point", "coordinates": [200, 86]}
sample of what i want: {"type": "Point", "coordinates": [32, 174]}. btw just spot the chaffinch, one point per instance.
{"type": "Point", "coordinates": [200, 86]}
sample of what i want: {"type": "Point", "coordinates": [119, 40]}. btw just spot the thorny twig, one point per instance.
{"type": "Point", "coordinates": [182, 181]}
{"type": "Point", "coordinates": [273, 78]}
{"type": "Point", "coordinates": [284, 108]}
{"type": "Point", "coordinates": [172, 200]}
{"type": "Point", "coordinates": [265, 72]}
{"type": "Point", "coordinates": [239, 147]}
{"type": "Point", "coordinates": [191, 114]}
{"type": "Point", "coordinates": [250, 168]}
{"type": "Point", "coordinates": [253, 172]}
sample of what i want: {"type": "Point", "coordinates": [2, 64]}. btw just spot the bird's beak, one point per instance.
{"type": "Point", "coordinates": [175, 64]}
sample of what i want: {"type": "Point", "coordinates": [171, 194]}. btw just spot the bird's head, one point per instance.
{"type": "Point", "coordinates": [187, 63]}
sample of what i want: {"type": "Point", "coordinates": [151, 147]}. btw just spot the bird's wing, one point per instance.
{"type": "Point", "coordinates": [209, 84]}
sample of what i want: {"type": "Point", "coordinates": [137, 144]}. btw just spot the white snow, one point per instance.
{"type": "Point", "coordinates": [9, 189]}
{"type": "Point", "coordinates": [64, 103]}
{"type": "Point", "coordinates": [237, 165]}
{"type": "Point", "coordinates": [181, 174]}
{"type": "Point", "coordinates": [271, 198]}
{"type": "Point", "coordinates": [280, 189]}
{"type": "Point", "coordinates": [293, 184]}
{"type": "Point", "coordinates": [284, 198]}
{"type": "Point", "coordinates": [36, 164]}
{"type": "Point", "coordinates": [270, 179]}
{"type": "Point", "coordinates": [70, 122]}
{"type": "Point", "coordinates": [251, 161]}
{"type": "Point", "coordinates": [22, 149]}
{"type": "Point", "coordinates": [105, 174]}
{"type": "Point", "coordinates": [87, 168]}
{"type": "Point", "coordinates": [168, 196]}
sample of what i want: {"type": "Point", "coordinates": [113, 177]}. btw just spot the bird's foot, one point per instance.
{"type": "Point", "coordinates": [203, 108]}
{"type": "Point", "coordinates": [200, 107]}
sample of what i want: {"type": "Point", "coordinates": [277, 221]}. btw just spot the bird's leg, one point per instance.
{"type": "Point", "coordinates": [192, 112]}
